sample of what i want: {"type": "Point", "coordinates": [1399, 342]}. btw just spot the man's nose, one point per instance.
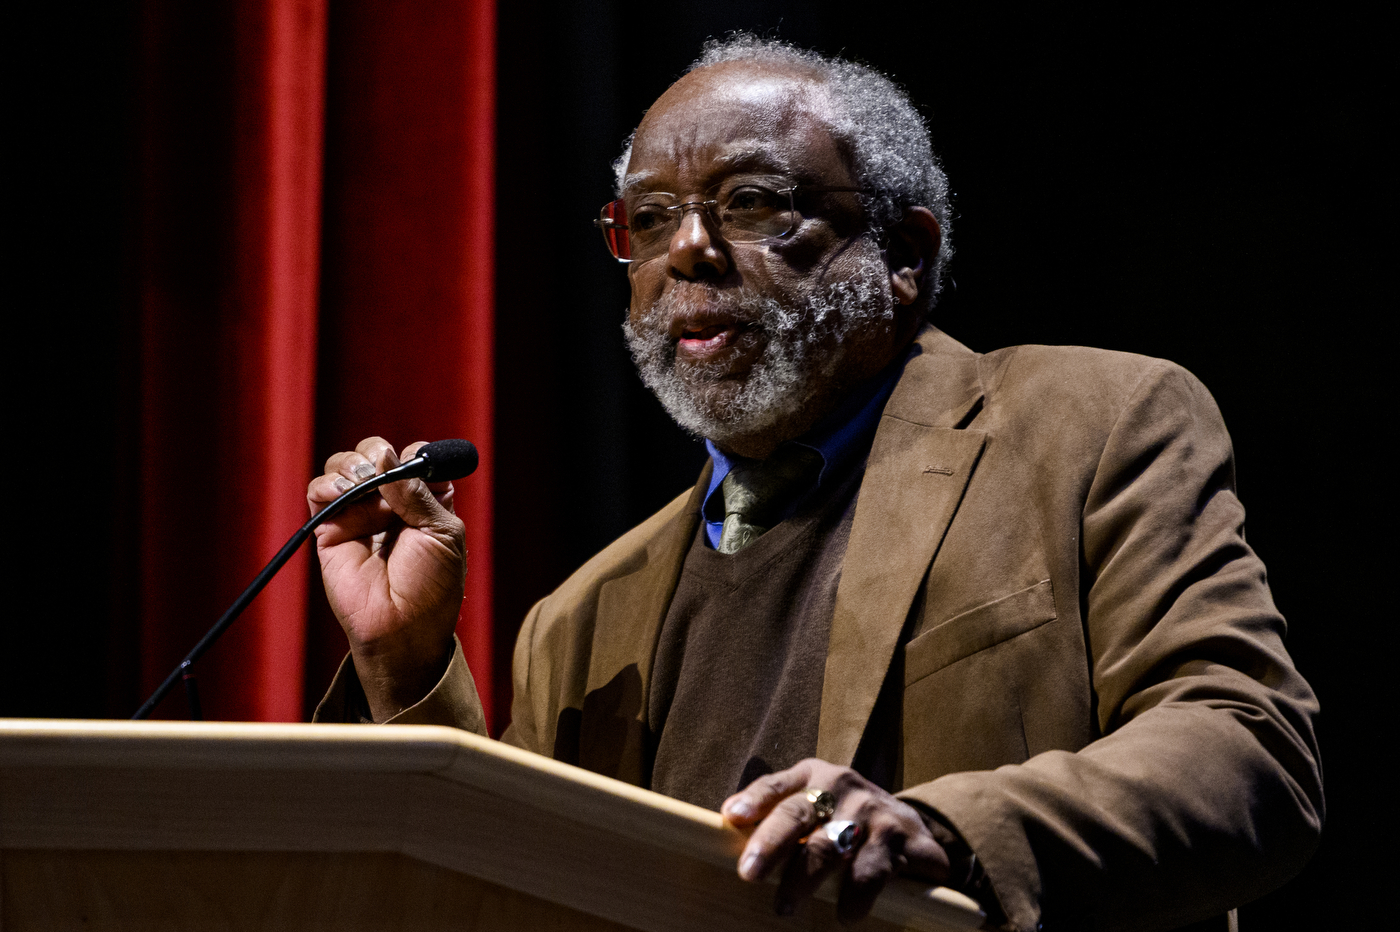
{"type": "Point", "coordinates": [697, 251]}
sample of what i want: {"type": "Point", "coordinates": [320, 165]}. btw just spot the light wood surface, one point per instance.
{"type": "Point", "coordinates": [193, 891]}
{"type": "Point", "coordinates": [388, 826]}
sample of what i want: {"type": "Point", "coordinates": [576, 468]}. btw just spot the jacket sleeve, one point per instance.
{"type": "Point", "coordinates": [453, 701]}
{"type": "Point", "coordinates": [1204, 789]}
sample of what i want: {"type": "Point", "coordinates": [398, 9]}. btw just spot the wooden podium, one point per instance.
{"type": "Point", "coordinates": [119, 825]}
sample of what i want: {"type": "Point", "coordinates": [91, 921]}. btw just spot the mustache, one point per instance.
{"type": "Point", "coordinates": [690, 307]}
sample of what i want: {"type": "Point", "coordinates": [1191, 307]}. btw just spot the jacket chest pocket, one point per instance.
{"type": "Point", "coordinates": [977, 630]}
{"type": "Point", "coordinates": [964, 683]}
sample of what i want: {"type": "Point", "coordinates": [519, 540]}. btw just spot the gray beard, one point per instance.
{"type": "Point", "coordinates": [807, 336]}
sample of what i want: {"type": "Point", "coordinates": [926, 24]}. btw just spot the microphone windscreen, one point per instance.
{"type": "Point", "coordinates": [449, 459]}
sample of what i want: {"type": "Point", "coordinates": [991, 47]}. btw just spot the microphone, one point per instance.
{"type": "Point", "coordinates": [439, 461]}
{"type": "Point", "coordinates": [448, 460]}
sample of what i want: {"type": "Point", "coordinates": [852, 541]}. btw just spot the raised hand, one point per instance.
{"type": "Point", "coordinates": [394, 566]}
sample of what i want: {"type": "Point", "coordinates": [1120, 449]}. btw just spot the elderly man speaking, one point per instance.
{"type": "Point", "coordinates": [989, 620]}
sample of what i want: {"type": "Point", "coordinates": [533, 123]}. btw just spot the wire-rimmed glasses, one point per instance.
{"type": "Point", "coordinates": [741, 211]}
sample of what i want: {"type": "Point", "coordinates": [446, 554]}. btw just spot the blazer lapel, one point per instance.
{"type": "Point", "coordinates": [919, 465]}
{"type": "Point", "coordinates": [630, 611]}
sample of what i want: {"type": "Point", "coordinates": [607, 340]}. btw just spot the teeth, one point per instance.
{"type": "Point", "coordinates": [707, 333]}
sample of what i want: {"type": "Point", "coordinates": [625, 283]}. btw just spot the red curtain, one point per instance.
{"type": "Point", "coordinates": [316, 267]}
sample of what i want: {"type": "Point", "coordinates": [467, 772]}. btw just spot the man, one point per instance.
{"type": "Point", "coordinates": [995, 612]}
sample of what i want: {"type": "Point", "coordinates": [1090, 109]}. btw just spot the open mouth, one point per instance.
{"type": "Point", "coordinates": [704, 340]}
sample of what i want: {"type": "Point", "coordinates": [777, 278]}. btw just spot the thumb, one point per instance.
{"type": "Point", "coordinates": [415, 503]}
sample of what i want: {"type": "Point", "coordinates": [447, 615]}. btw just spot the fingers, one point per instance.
{"type": "Point", "coordinates": [359, 464]}
{"type": "Point", "coordinates": [893, 838]}
{"type": "Point", "coordinates": [325, 489]}
{"type": "Point", "coordinates": [926, 858]}
{"type": "Point", "coordinates": [875, 862]}
{"type": "Point", "coordinates": [889, 827]}
{"type": "Point", "coordinates": [345, 470]}
{"type": "Point", "coordinates": [442, 491]}
{"type": "Point", "coordinates": [414, 502]}
{"type": "Point", "coordinates": [808, 867]}
{"type": "Point", "coordinates": [777, 836]}
{"type": "Point", "coordinates": [897, 841]}
{"type": "Point", "coordinates": [783, 814]}
{"type": "Point", "coordinates": [753, 803]}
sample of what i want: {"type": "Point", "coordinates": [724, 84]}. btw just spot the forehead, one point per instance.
{"type": "Point", "coordinates": [733, 117]}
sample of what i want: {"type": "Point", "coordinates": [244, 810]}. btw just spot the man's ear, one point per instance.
{"type": "Point", "coordinates": [910, 251]}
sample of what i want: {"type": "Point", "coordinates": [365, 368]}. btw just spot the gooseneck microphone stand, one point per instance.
{"type": "Point", "coordinates": [441, 461]}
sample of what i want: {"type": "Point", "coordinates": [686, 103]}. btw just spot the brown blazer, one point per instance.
{"type": "Point", "coordinates": [1048, 552]}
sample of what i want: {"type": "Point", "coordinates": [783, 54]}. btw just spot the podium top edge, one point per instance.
{"type": "Point", "coordinates": [248, 746]}
{"type": "Point", "coordinates": [36, 741]}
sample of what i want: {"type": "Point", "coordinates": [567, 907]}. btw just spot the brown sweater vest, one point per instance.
{"type": "Point", "coordinates": [736, 686]}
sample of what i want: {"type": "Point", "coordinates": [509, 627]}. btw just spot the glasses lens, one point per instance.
{"type": "Point", "coordinates": [750, 212]}
{"type": "Point", "coordinates": [652, 224]}
{"type": "Point", "coordinates": [612, 219]}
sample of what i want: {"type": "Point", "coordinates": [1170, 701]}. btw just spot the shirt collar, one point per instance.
{"type": "Point", "coordinates": [838, 438]}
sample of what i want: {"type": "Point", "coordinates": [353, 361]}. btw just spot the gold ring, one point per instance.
{"type": "Point", "coordinates": [822, 801]}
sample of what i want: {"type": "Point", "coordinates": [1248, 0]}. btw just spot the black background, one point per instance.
{"type": "Point", "coordinates": [1202, 185]}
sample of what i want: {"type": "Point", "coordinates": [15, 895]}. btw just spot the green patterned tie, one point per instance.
{"type": "Point", "coordinates": [755, 493]}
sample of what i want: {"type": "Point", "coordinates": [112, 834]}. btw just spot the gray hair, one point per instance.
{"type": "Point", "coordinates": [872, 117]}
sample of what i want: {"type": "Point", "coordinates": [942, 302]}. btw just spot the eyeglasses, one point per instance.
{"type": "Point", "coordinates": [741, 211]}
